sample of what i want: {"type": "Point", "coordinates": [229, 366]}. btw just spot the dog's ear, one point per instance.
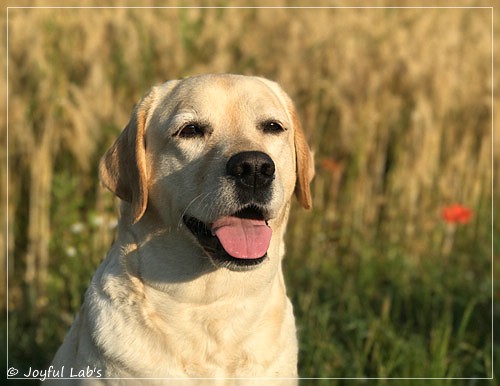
{"type": "Point", "coordinates": [305, 163]}
{"type": "Point", "coordinates": [123, 167]}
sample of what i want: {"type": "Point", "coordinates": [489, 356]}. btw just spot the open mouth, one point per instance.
{"type": "Point", "coordinates": [237, 241]}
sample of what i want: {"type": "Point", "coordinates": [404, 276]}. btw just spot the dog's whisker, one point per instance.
{"type": "Point", "coordinates": [179, 223]}
{"type": "Point", "coordinates": [201, 197]}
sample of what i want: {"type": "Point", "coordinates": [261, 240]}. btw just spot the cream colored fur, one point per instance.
{"type": "Point", "coordinates": [158, 307]}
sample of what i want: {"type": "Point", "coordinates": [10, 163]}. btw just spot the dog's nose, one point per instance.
{"type": "Point", "coordinates": [251, 169]}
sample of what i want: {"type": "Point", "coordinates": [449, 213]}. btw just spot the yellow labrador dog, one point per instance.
{"type": "Point", "coordinates": [193, 285]}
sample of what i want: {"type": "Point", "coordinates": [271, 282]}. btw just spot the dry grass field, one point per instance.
{"type": "Point", "coordinates": [396, 103]}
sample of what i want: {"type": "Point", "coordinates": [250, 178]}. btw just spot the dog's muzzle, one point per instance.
{"type": "Point", "coordinates": [241, 239]}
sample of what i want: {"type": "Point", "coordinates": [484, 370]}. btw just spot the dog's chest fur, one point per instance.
{"type": "Point", "coordinates": [225, 338]}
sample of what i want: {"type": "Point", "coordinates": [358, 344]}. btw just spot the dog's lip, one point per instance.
{"type": "Point", "coordinates": [251, 212]}
{"type": "Point", "coordinates": [212, 245]}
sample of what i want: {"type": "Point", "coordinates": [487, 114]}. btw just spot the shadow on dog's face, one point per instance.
{"type": "Point", "coordinates": [222, 156]}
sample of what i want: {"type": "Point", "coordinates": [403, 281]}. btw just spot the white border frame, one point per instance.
{"type": "Point", "coordinates": [258, 7]}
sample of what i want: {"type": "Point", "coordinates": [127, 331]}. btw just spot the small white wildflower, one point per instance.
{"type": "Point", "coordinates": [77, 227]}
{"type": "Point", "coordinates": [71, 251]}
{"type": "Point", "coordinates": [97, 220]}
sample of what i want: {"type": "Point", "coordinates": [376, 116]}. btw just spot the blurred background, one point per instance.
{"type": "Point", "coordinates": [390, 273]}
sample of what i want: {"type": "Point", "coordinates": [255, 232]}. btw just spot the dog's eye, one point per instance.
{"type": "Point", "coordinates": [191, 130]}
{"type": "Point", "coordinates": [272, 127]}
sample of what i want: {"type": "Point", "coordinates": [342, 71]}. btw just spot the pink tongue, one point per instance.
{"type": "Point", "coordinates": [243, 238]}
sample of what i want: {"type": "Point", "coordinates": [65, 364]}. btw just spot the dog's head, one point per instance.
{"type": "Point", "coordinates": [218, 155]}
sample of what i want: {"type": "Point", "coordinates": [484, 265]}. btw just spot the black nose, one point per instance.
{"type": "Point", "coordinates": [252, 170]}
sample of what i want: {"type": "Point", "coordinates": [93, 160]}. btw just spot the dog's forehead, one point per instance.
{"type": "Point", "coordinates": [210, 93]}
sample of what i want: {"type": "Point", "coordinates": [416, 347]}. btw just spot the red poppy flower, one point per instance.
{"type": "Point", "coordinates": [332, 165]}
{"type": "Point", "coordinates": [456, 213]}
